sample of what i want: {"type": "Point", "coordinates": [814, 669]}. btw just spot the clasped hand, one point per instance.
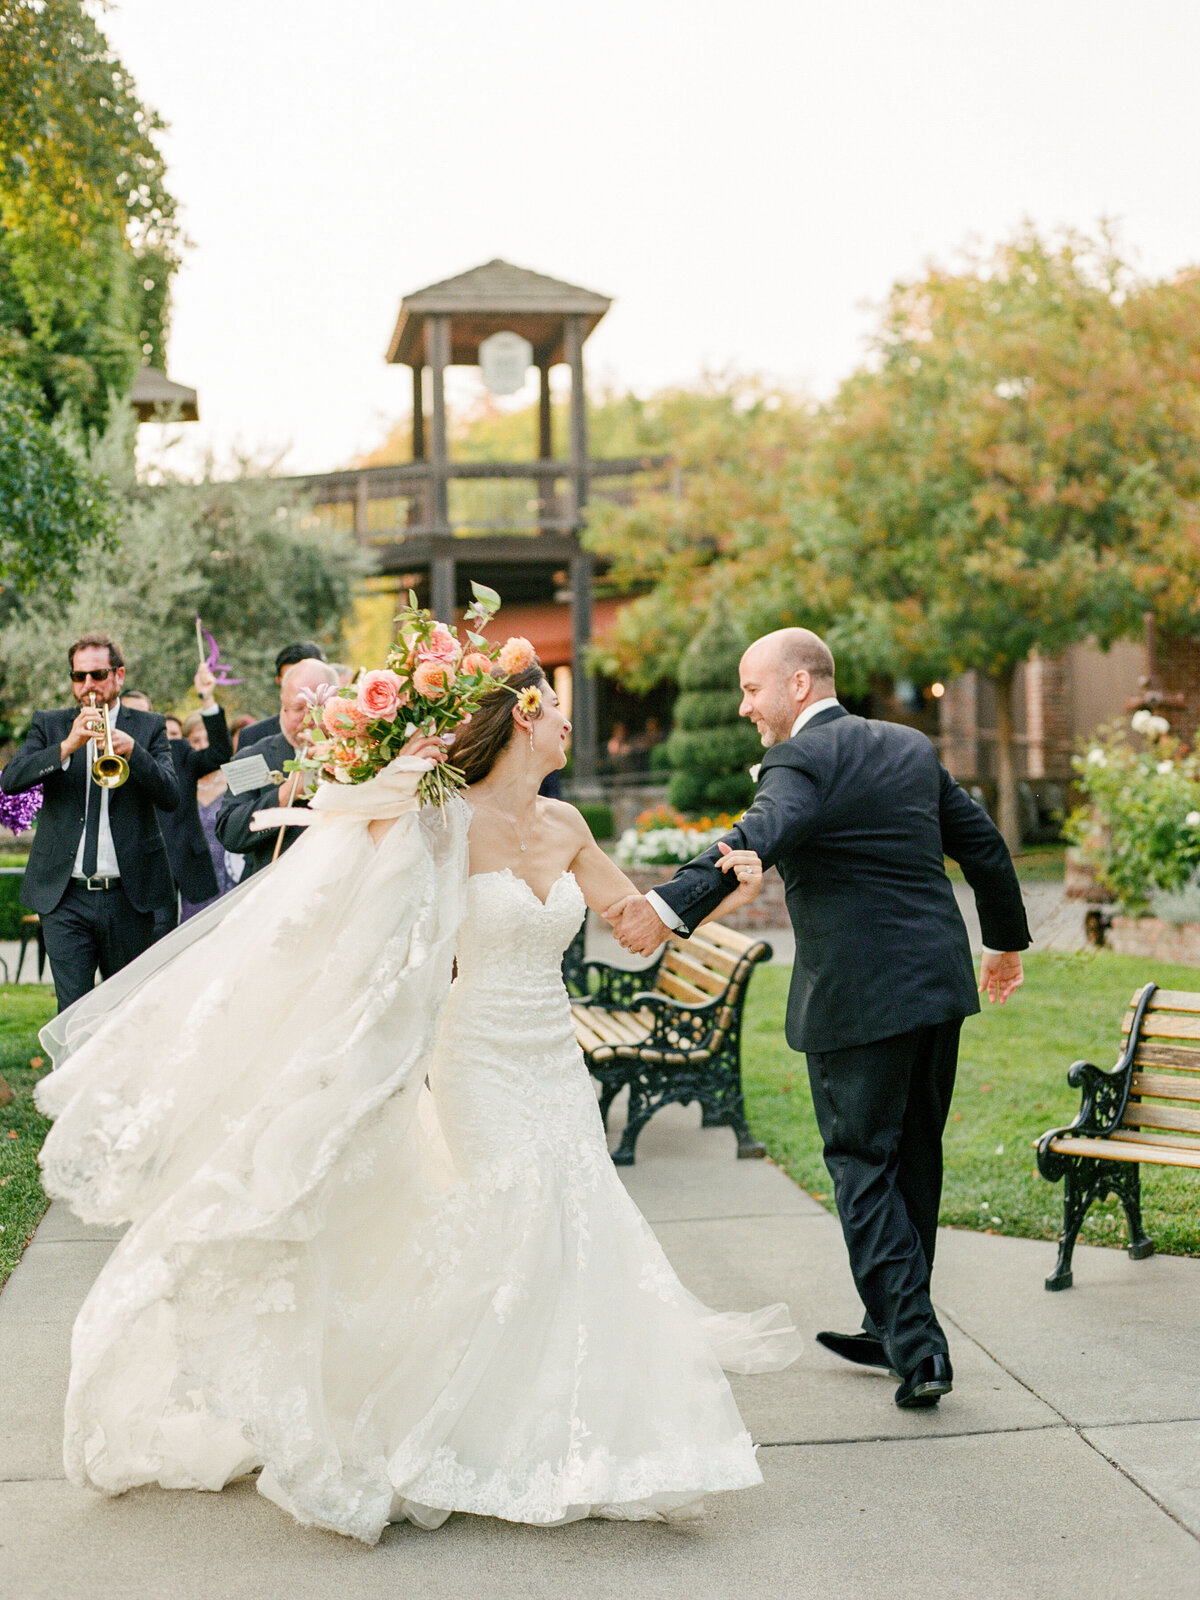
{"type": "Point", "coordinates": [638, 928]}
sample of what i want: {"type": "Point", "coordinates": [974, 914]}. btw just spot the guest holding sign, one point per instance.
{"type": "Point", "coordinates": [233, 819]}
{"type": "Point", "coordinates": [198, 746]}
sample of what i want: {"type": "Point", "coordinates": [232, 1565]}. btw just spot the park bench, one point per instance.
{"type": "Point", "coordinates": [1143, 1111]}
{"type": "Point", "coordinates": [671, 1032]}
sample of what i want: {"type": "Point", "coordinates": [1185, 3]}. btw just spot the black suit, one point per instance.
{"type": "Point", "coordinates": [858, 815]}
{"type": "Point", "coordinates": [268, 728]}
{"type": "Point", "coordinates": [108, 926]}
{"type": "Point", "coordinates": [233, 819]}
{"type": "Point", "coordinates": [187, 848]}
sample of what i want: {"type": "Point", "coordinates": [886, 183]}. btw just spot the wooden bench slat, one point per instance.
{"type": "Point", "coordinates": [588, 1039]}
{"type": "Point", "coordinates": [603, 1023]}
{"type": "Point", "coordinates": [1182, 1057]}
{"type": "Point", "coordinates": [1178, 1119]}
{"type": "Point", "coordinates": [677, 989]}
{"type": "Point", "coordinates": [1127, 1150]}
{"type": "Point", "coordinates": [712, 955]}
{"type": "Point", "coordinates": [1144, 1136]}
{"type": "Point", "coordinates": [694, 972]}
{"type": "Point", "coordinates": [1174, 1000]}
{"type": "Point", "coordinates": [633, 1029]}
{"type": "Point", "coordinates": [717, 933]}
{"type": "Point", "coordinates": [1165, 1086]}
{"type": "Point", "coordinates": [1168, 1025]}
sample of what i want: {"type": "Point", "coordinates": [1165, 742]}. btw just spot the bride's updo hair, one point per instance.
{"type": "Point", "coordinates": [477, 746]}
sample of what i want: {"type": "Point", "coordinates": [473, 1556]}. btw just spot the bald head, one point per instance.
{"type": "Point", "coordinates": [781, 673]}
{"type": "Point", "coordinates": [310, 675]}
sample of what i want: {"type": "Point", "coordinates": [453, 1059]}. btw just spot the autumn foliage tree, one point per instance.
{"type": "Point", "coordinates": [1019, 469]}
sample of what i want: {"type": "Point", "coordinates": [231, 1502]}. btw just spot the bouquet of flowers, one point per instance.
{"type": "Point", "coordinates": [17, 811]}
{"type": "Point", "coordinates": [429, 684]}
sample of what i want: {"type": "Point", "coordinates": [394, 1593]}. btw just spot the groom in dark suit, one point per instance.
{"type": "Point", "coordinates": [858, 816]}
{"type": "Point", "coordinates": [98, 865]}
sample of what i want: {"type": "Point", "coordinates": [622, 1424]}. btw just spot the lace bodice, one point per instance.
{"type": "Point", "coordinates": [506, 919]}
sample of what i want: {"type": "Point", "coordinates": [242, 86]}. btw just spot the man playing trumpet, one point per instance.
{"type": "Point", "coordinates": [98, 865]}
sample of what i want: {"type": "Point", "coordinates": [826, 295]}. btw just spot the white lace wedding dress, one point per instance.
{"type": "Point", "coordinates": [377, 1246]}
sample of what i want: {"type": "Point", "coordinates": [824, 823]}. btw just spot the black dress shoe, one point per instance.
{"type": "Point", "coordinates": [925, 1385]}
{"type": "Point", "coordinates": [861, 1348]}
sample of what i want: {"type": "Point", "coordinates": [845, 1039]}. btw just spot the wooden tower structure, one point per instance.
{"type": "Point", "coordinates": [407, 514]}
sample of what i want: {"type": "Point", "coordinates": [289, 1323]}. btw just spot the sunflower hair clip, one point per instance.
{"type": "Point", "coordinates": [530, 702]}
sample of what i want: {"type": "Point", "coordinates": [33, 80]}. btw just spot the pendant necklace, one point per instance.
{"type": "Point", "coordinates": [513, 824]}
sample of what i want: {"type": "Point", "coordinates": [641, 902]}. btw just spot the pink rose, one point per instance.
{"type": "Point", "coordinates": [379, 695]}
{"type": "Point", "coordinates": [475, 662]}
{"type": "Point", "coordinates": [440, 646]}
{"type": "Point", "coordinates": [515, 655]}
{"type": "Point", "coordinates": [341, 718]}
{"type": "Point", "coordinates": [433, 678]}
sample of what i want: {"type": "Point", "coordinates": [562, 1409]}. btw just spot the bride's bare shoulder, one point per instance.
{"type": "Point", "coordinates": [564, 815]}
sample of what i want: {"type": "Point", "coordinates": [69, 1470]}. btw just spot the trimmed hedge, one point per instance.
{"type": "Point", "coordinates": [11, 909]}
{"type": "Point", "coordinates": [599, 818]}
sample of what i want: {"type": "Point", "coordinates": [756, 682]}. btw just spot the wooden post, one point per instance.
{"type": "Point", "coordinates": [545, 437]}
{"type": "Point", "coordinates": [583, 688]}
{"type": "Point", "coordinates": [437, 350]}
{"type": "Point", "coordinates": [418, 412]}
{"type": "Point", "coordinates": [545, 444]}
{"type": "Point", "coordinates": [361, 514]}
{"type": "Point", "coordinates": [442, 586]}
{"type": "Point", "coordinates": [573, 342]}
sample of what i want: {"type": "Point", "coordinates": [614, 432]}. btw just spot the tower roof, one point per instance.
{"type": "Point", "coordinates": [491, 298]}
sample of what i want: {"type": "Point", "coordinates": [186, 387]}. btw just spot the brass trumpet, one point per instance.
{"type": "Point", "coordinates": [109, 769]}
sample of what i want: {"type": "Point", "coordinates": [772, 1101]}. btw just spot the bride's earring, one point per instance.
{"type": "Point", "coordinates": [531, 750]}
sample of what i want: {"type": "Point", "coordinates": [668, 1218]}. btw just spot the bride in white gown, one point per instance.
{"type": "Point", "coordinates": [377, 1248]}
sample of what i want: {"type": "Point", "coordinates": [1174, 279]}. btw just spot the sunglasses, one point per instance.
{"type": "Point", "coordinates": [82, 677]}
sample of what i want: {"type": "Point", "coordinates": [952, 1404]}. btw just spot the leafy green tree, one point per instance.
{"type": "Point", "coordinates": [88, 235]}
{"type": "Point", "coordinates": [53, 507]}
{"type": "Point", "coordinates": [1019, 468]}
{"type": "Point", "coordinates": [710, 747]}
{"type": "Point", "coordinates": [253, 563]}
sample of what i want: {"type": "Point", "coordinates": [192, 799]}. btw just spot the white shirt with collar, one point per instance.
{"type": "Point", "coordinates": [660, 907]}
{"type": "Point", "coordinates": [106, 851]}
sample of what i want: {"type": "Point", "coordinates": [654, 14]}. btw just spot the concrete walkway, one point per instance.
{"type": "Point", "coordinates": [1066, 1462]}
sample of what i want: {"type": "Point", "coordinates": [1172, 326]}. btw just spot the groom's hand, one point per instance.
{"type": "Point", "coordinates": [1000, 974]}
{"type": "Point", "coordinates": [636, 926]}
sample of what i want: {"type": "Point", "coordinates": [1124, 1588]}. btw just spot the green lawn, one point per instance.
{"type": "Point", "coordinates": [23, 1010]}
{"type": "Point", "coordinates": [1012, 1086]}
{"type": "Point", "coordinates": [1040, 863]}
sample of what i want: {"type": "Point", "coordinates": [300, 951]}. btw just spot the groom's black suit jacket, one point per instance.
{"type": "Point", "coordinates": [857, 815]}
{"type": "Point", "coordinates": [132, 817]}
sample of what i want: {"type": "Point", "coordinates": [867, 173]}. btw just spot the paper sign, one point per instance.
{"type": "Point", "coordinates": [249, 772]}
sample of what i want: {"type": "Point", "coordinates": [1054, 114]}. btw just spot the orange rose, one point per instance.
{"type": "Point", "coordinates": [432, 679]}
{"type": "Point", "coordinates": [341, 718]}
{"type": "Point", "coordinates": [475, 662]}
{"type": "Point", "coordinates": [515, 655]}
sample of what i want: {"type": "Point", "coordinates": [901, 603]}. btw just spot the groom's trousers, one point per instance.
{"type": "Point", "coordinates": [881, 1108]}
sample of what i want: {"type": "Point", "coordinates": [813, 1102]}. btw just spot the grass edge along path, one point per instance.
{"type": "Point", "coordinates": [1012, 1086]}
{"type": "Point", "coordinates": [24, 1008]}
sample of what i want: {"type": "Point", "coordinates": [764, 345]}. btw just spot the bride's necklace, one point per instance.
{"type": "Point", "coordinates": [512, 822]}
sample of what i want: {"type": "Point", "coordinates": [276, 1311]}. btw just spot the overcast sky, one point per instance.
{"type": "Point", "coordinates": [744, 179]}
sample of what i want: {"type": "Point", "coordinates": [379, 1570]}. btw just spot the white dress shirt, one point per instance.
{"type": "Point", "coordinates": [106, 852]}
{"type": "Point", "coordinates": [661, 909]}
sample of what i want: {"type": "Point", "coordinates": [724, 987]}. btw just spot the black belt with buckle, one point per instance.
{"type": "Point", "coordinates": [95, 882]}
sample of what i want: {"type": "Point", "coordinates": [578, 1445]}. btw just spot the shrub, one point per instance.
{"type": "Point", "coordinates": [599, 818]}
{"type": "Point", "coordinates": [711, 748]}
{"type": "Point", "coordinates": [1140, 826]}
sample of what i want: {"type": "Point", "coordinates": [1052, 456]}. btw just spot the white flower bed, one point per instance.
{"type": "Point", "coordinates": [664, 847]}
